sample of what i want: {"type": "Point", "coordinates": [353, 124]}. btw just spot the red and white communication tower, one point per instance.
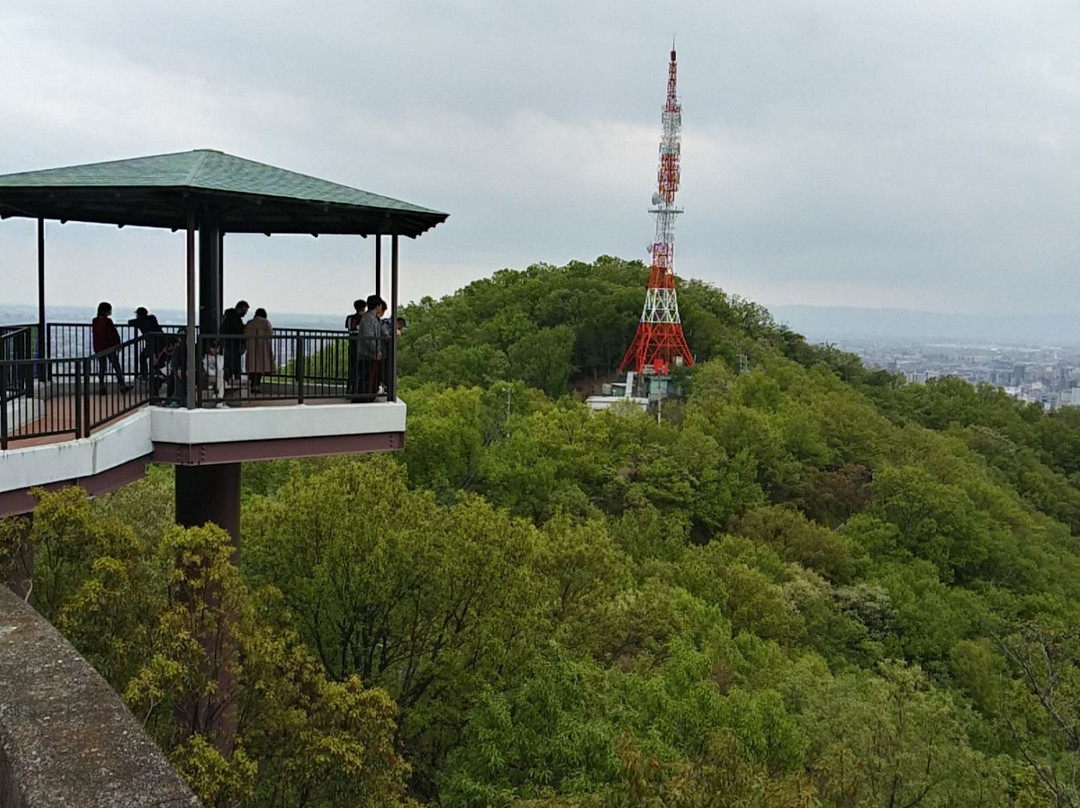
{"type": "Point", "coordinates": [659, 341]}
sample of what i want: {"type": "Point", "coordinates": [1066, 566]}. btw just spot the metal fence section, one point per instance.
{"type": "Point", "coordinates": [86, 390]}
{"type": "Point", "coordinates": [17, 344]}
{"type": "Point", "coordinates": [109, 387]}
{"type": "Point", "coordinates": [287, 365]}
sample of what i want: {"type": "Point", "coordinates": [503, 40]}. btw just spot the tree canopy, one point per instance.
{"type": "Point", "coordinates": [810, 584]}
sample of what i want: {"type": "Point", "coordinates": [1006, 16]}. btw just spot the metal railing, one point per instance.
{"type": "Point", "coordinates": [16, 344]}
{"type": "Point", "coordinates": [82, 398]}
{"type": "Point", "coordinates": [87, 390]}
{"type": "Point", "coordinates": [294, 365]}
{"type": "Point", "coordinates": [75, 340]}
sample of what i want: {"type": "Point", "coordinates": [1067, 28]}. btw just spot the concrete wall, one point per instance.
{"type": "Point", "coordinates": [66, 739]}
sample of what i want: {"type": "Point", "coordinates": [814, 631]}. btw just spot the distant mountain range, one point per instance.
{"type": "Point", "coordinates": [837, 324]}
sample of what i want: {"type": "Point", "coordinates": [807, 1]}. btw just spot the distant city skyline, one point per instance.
{"type": "Point", "coordinates": [834, 323]}
{"type": "Point", "coordinates": [836, 152]}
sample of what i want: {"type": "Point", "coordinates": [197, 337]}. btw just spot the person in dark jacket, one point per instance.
{"type": "Point", "coordinates": [176, 387]}
{"type": "Point", "coordinates": [352, 325]}
{"type": "Point", "coordinates": [107, 338]}
{"type": "Point", "coordinates": [369, 347]}
{"type": "Point", "coordinates": [232, 342]}
{"type": "Point", "coordinates": [147, 324]}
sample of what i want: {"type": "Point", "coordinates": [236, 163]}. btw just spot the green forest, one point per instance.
{"type": "Point", "coordinates": [808, 584]}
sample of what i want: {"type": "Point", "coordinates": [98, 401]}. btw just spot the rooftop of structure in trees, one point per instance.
{"type": "Point", "coordinates": [245, 196]}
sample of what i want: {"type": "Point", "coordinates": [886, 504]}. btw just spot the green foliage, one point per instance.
{"type": "Point", "coordinates": [427, 601]}
{"type": "Point", "coordinates": [811, 585]}
{"type": "Point", "coordinates": [244, 711]}
{"type": "Point", "coordinates": [546, 324]}
{"type": "Point", "coordinates": [894, 740]}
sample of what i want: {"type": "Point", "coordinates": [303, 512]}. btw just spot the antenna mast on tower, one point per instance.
{"type": "Point", "coordinates": [659, 340]}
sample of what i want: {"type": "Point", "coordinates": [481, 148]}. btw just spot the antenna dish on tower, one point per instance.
{"type": "Point", "coordinates": [656, 198]}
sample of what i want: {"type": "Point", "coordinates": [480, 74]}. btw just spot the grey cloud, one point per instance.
{"type": "Point", "coordinates": [922, 153]}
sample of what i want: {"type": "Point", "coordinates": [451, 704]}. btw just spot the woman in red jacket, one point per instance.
{"type": "Point", "coordinates": [106, 337]}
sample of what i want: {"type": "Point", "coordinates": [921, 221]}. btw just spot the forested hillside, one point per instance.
{"type": "Point", "coordinates": [810, 584]}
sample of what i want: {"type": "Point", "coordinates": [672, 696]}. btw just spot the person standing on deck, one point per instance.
{"type": "Point", "coordinates": [260, 353]}
{"type": "Point", "coordinates": [232, 338]}
{"type": "Point", "coordinates": [352, 325]}
{"type": "Point", "coordinates": [106, 338]}
{"type": "Point", "coordinates": [147, 324]}
{"type": "Point", "coordinates": [213, 366]}
{"type": "Point", "coordinates": [370, 346]}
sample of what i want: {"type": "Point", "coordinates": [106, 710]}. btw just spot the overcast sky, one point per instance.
{"type": "Point", "coordinates": [920, 154]}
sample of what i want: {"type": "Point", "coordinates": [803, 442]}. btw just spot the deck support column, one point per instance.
{"type": "Point", "coordinates": [209, 494]}
{"type": "Point", "coordinates": [212, 494]}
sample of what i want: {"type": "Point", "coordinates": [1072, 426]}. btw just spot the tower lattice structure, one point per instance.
{"type": "Point", "coordinates": [659, 340]}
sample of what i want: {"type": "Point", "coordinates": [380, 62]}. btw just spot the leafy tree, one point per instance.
{"type": "Point", "coordinates": [895, 740]}
{"type": "Point", "coordinates": [428, 602]}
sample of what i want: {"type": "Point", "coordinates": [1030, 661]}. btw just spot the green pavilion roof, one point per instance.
{"type": "Point", "coordinates": [245, 196]}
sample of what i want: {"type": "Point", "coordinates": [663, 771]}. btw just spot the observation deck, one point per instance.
{"type": "Point", "coordinates": [59, 428]}
{"type": "Point", "coordinates": [59, 425]}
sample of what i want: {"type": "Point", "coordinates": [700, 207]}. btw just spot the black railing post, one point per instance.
{"type": "Point", "coordinates": [199, 377]}
{"type": "Point", "coordinates": [299, 369]}
{"type": "Point", "coordinates": [3, 409]}
{"type": "Point", "coordinates": [46, 335]}
{"type": "Point", "coordinates": [28, 351]}
{"type": "Point", "coordinates": [85, 403]}
{"type": "Point", "coordinates": [77, 403]}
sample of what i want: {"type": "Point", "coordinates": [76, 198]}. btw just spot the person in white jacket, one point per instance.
{"type": "Point", "coordinates": [214, 367]}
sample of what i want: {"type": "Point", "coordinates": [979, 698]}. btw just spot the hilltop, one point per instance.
{"type": "Point", "coordinates": [811, 584]}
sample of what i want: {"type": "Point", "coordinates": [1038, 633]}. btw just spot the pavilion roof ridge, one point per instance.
{"type": "Point", "coordinates": [198, 165]}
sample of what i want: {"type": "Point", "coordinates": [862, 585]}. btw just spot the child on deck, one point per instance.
{"type": "Point", "coordinates": [214, 366]}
